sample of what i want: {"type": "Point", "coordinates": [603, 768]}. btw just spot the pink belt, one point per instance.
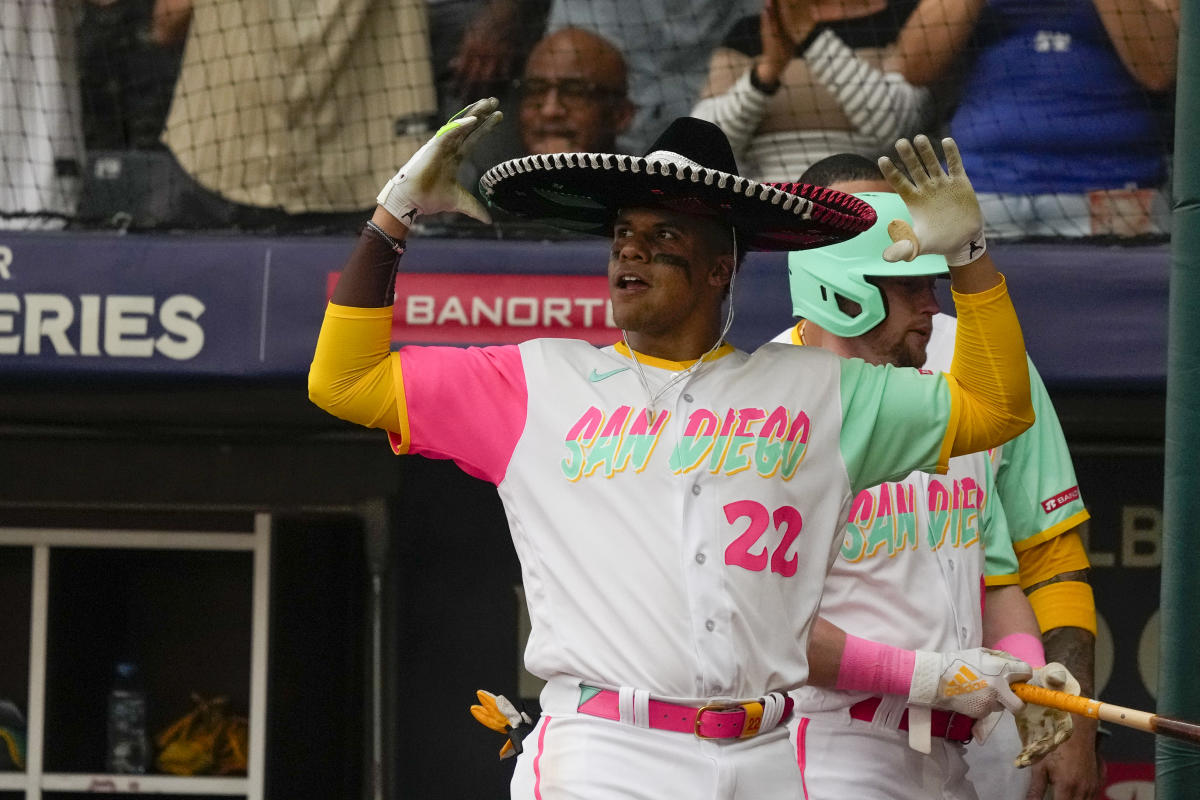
{"type": "Point", "coordinates": [739, 721]}
{"type": "Point", "coordinates": [943, 724]}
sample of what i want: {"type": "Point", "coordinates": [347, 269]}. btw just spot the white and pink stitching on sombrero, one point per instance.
{"type": "Point", "coordinates": [690, 169]}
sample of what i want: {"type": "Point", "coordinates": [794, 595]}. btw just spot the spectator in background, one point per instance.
{"type": "Point", "coordinates": [478, 47]}
{"type": "Point", "coordinates": [279, 119]}
{"type": "Point", "coordinates": [572, 98]}
{"type": "Point", "coordinates": [41, 124]}
{"type": "Point", "coordinates": [1056, 111]}
{"type": "Point", "coordinates": [574, 95]}
{"type": "Point", "coordinates": [126, 77]}
{"type": "Point", "coordinates": [805, 79]}
{"type": "Point", "coordinates": [666, 44]}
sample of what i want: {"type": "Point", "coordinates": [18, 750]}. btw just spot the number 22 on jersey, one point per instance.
{"type": "Point", "coordinates": [784, 523]}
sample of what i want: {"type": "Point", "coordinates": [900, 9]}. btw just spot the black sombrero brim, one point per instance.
{"type": "Point", "coordinates": [583, 191]}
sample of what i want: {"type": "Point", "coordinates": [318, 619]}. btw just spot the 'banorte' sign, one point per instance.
{"type": "Point", "coordinates": [462, 308]}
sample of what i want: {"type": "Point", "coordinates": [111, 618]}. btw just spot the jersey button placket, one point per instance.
{"type": "Point", "coordinates": [703, 529]}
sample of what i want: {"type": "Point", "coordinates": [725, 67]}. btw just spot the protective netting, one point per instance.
{"type": "Point", "coordinates": [288, 115]}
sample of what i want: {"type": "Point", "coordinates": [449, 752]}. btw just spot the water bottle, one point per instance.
{"type": "Point", "coordinates": [128, 749]}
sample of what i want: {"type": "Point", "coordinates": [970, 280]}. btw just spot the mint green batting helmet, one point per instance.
{"type": "Point", "coordinates": [819, 275]}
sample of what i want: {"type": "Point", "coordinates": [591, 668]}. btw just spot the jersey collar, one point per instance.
{"type": "Point", "coordinates": [675, 366]}
{"type": "Point", "coordinates": [798, 333]}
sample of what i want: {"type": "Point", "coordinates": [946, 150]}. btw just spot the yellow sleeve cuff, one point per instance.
{"type": "Point", "coordinates": [1069, 604]}
{"type": "Point", "coordinates": [1052, 557]}
{"type": "Point", "coordinates": [992, 581]}
{"type": "Point", "coordinates": [398, 436]}
{"type": "Point", "coordinates": [1057, 529]}
{"type": "Point", "coordinates": [951, 436]}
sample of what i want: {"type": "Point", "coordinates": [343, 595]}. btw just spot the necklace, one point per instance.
{"type": "Point", "coordinates": [653, 397]}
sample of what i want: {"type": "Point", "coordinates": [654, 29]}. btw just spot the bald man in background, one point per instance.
{"type": "Point", "coordinates": [574, 96]}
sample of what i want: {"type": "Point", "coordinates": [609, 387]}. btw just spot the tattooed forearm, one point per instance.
{"type": "Point", "coordinates": [1075, 649]}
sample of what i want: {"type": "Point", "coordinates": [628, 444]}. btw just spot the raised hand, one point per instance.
{"type": "Point", "coordinates": [780, 35]}
{"type": "Point", "coordinates": [428, 183]}
{"type": "Point", "coordinates": [945, 211]}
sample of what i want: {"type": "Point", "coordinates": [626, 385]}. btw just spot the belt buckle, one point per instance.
{"type": "Point", "coordinates": [700, 713]}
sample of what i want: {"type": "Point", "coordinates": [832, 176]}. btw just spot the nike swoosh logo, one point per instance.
{"type": "Point", "coordinates": [599, 376]}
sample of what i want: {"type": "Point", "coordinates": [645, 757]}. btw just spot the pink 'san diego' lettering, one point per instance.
{"type": "Point", "coordinates": [883, 519]}
{"type": "Point", "coordinates": [954, 512]}
{"type": "Point", "coordinates": [772, 443]}
{"type": "Point", "coordinates": [608, 445]}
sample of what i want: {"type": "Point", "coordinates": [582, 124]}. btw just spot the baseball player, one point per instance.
{"type": "Point", "coordinates": [1043, 511]}
{"type": "Point", "coordinates": [916, 552]}
{"type": "Point", "coordinates": [676, 503]}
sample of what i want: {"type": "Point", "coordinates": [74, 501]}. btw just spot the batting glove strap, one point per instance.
{"type": "Point", "coordinates": [396, 200]}
{"type": "Point", "coordinates": [975, 247]}
{"type": "Point", "coordinates": [927, 674]}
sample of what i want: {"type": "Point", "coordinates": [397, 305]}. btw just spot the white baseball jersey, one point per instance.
{"type": "Point", "coordinates": [912, 565]}
{"type": "Point", "coordinates": [913, 562]}
{"type": "Point", "coordinates": [676, 544]}
{"type": "Point", "coordinates": [1036, 481]}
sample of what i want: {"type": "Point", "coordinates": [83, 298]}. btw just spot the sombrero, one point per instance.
{"type": "Point", "coordinates": [689, 169]}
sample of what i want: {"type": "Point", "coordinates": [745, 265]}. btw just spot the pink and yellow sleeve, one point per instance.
{"type": "Point", "coordinates": [464, 404]}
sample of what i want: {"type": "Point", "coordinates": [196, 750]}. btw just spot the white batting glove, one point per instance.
{"type": "Point", "coordinates": [945, 212]}
{"type": "Point", "coordinates": [428, 183]}
{"type": "Point", "coordinates": [1042, 729]}
{"type": "Point", "coordinates": [972, 682]}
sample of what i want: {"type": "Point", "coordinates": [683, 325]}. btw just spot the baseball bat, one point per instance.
{"type": "Point", "coordinates": [1107, 712]}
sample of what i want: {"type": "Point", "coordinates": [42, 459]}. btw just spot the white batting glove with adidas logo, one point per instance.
{"type": "Point", "coordinates": [946, 217]}
{"type": "Point", "coordinates": [428, 183]}
{"type": "Point", "coordinates": [972, 682]}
